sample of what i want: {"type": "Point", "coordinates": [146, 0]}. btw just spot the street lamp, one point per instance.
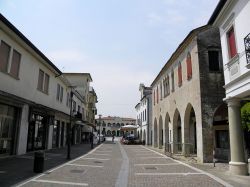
{"type": "Point", "coordinates": [100, 116]}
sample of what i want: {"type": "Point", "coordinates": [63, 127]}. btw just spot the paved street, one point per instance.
{"type": "Point", "coordinates": [113, 164]}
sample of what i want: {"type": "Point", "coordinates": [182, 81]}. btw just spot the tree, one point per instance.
{"type": "Point", "coordinates": [245, 116]}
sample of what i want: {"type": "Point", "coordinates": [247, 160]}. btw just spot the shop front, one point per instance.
{"type": "Point", "coordinates": [8, 129]}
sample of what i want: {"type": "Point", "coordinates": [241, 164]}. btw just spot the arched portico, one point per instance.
{"type": "Point", "coordinates": [189, 132]}
{"type": "Point", "coordinates": [160, 133]}
{"type": "Point", "coordinates": [166, 133]}
{"type": "Point", "coordinates": [177, 133]}
{"type": "Point", "coordinates": [155, 143]}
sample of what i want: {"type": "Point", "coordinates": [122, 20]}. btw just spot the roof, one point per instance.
{"type": "Point", "coordinates": [216, 12]}
{"type": "Point", "coordinates": [26, 40]}
{"type": "Point", "coordinates": [77, 74]}
{"type": "Point", "coordinates": [179, 48]}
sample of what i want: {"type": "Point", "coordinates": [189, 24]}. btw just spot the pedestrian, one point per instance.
{"type": "Point", "coordinates": [113, 137]}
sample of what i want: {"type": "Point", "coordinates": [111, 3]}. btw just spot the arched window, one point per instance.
{"type": "Point", "coordinates": [189, 66]}
{"type": "Point", "coordinates": [179, 74]}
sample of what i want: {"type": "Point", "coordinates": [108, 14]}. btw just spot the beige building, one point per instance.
{"type": "Point", "coordinates": [186, 94]}
{"type": "Point", "coordinates": [111, 125]}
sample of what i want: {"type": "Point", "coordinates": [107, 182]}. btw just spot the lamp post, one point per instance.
{"type": "Point", "coordinates": [100, 116]}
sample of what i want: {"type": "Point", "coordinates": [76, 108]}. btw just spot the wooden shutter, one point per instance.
{"type": "Point", "coordinates": [157, 95]}
{"type": "Point", "coordinates": [15, 64]}
{"type": "Point", "coordinates": [4, 56]}
{"type": "Point", "coordinates": [46, 83]}
{"type": "Point", "coordinates": [58, 92]}
{"type": "Point", "coordinates": [61, 94]}
{"type": "Point", "coordinates": [179, 74]}
{"type": "Point", "coordinates": [40, 80]}
{"type": "Point", "coordinates": [231, 43]}
{"type": "Point", "coordinates": [189, 66]}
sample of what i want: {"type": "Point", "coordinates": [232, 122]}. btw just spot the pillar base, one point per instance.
{"type": "Point", "coordinates": [238, 168]}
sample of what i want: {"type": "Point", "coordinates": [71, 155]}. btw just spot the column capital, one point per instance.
{"type": "Point", "coordinates": [233, 101]}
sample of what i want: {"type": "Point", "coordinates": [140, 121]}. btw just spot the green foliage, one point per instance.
{"type": "Point", "coordinates": [245, 116]}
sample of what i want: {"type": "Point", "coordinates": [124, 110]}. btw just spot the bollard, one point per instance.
{"type": "Point", "coordinates": [38, 162]}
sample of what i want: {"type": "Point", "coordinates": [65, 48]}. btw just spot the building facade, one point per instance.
{"type": "Point", "coordinates": [232, 19]}
{"type": "Point", "coordinates": [35, 97]}
{"type": "Point", "coordinates": [186, 95]}
{"type": "Point", "coordinates": [144, 115]}
{"type": "Point", "coordinates": [109, 125]}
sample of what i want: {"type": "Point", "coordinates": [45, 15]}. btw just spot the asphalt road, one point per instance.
{"type": "Point", "coordinates": [112, 164]}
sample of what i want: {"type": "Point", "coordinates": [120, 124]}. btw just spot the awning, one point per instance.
{"type": "Point", "coordinates": [129, 127]}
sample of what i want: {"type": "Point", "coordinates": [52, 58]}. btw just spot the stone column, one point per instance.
{"type": "Point", "coordinates": [237, 165]}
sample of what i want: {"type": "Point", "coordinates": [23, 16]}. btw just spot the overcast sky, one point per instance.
{"type": "Point", "coordinates": [120, 42]}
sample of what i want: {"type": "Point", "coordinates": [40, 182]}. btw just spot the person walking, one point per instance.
{"type": "Point", "coordinates": [113, 137]}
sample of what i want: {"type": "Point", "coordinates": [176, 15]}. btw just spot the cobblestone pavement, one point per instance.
{"type": "Point", "coordinates": [112, 164]}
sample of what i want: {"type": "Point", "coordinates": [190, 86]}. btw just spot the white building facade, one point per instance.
{"type": "Point", "coordinates": [35, 97]}
{"type": "Point", "coordinates": [144, 115]}
{"type": "Point", "coordinates": [232, 18]}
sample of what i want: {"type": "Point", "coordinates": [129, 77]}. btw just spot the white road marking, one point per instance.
{"type": "Point", "coordinates": [100, 154]}
{"type": "Point", "coordinates": [170, 164]}
{"type": "Point", "coordinates": [148, 157]}
{"type": "Point", "coordinates": [196, 169]}
{"type": "Point", "coordinates": [58, 167]}
{"type": "Point", "coordinates": [95, 159]}
{"type": "Point", "coordinates": [122, 179]}
{"type": "Point", "coordinates": [91, 166]}
{"type": "Point", "coordinates": [61, 182]}
{"type": "Point", "coordinates": [185, 174]}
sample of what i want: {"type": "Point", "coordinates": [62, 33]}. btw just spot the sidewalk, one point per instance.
{"type": "Point", "coordinates": [19, 168]}
{"type": "Point", "coordinates": [220, 170]}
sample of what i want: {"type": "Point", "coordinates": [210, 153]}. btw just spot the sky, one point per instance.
{"type": "Point", "coordinates": [121, 43]}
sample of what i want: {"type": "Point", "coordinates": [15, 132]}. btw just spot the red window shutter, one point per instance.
{"type": "Point", "coordinates": [179, 75]}
{"type": "Point", "coordinates": [231, 43]}
{"type": "Point", "coordinates": [189, 66]}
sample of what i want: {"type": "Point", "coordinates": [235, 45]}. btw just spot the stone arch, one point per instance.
{"type": "Point", "coordinates": [177, 133]}
{"type": "Point", "coordinates": [155, 143]}
{"type": "Point", "coordinates": [160, 133]}
{"type": "Point", "coordinates": [167, 132]}
{"type": "Point", "coordinates": [189, 131]}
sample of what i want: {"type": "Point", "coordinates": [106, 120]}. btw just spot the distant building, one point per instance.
{"type": "Point", "coordinates": [232, 18]}
{"type": "Point", "coordinates": [144, 115]}
{"type": "Point", "coordinates": [186, 95]}
{"type": "Point", "coordinates": [111, 125]}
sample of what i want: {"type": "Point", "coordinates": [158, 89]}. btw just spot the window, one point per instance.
{"type": "Point", "coordinates": [15, 64]}
{"type": "Point", "coordinates": [78, 108]}
{"type": "Point", "coordinates": [189, 66]}
{"type": "Point", "coordinates": [61, 95]}
{"type": "Point", "coordinates": [43, 82]}
{"type": "Point", "coordinates": [161, 90]}
{"type": "Point", "coordinates": [68, 100]}
{"type": "Point", "coordinates": [167, 86]}
{"type": "Point", "coordinates": [179, 74]}
{"type": "Point", "coordinates": [74, 106]}
{"type": "Point", "coordinates": [213, 60]}
{"type": "Point", "coordinates": [172, 79]}
{"type": "Point", "coordinates": [157, 95]}
{"type": "Point", "coordinates": [154, 97]}
{"type": "Point", "coordinates": [4, 56]}
{"type": "Point", "coordinates": [5, 51]}
{"type": "Point", "coordinates": [231, 43]}
{"type": "Point", "coordinates": [58, 92]}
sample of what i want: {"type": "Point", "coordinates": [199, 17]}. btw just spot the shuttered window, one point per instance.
{"type": "Point", "coordinates": [172, 78]}
{"type": "Point", "coordinates": [179, 74]}
{"type": "Point", "coordinates": [154, 97]}
{"type": "Point", "coordinates": [40, 80]}
{"type": "Point", "coordinates": [4, 56]}
{"type": "Point", "coordinates": [157, 95]}
{"type": "Point", "coordinates": [15, 64]}
{"type": "Point", "coordinates": [189, 66]}
{"type": "Point", "coordinates": [231, 43]}
{"type": "Point", "coordinates": [46, 84]}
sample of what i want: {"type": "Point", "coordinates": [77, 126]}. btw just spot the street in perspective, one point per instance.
{"type": "Point", "coordinates": [125, 93]}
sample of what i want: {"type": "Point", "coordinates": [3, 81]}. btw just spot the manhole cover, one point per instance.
{"type": "Point", "coordinates": [97, 162]}
{"type": "Point", "coordinates": [76, 171]}
{"type": "Point", "coordinates": [150, 168]}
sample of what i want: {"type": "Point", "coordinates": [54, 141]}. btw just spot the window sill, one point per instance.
{"type": "Point", "coordinates": [42, 91]}
{"type": "Point", "coordinates": [233, 60]}
{"type": "Point", "coordinates": [12, 76]}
